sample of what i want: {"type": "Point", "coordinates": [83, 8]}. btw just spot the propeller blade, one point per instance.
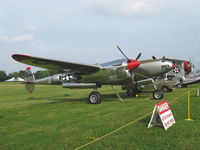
{"type": "Point", "coordinates": [154, 57]}
{"type": "Point", "coordinates": [122, 52]}
{"type": "Point", "coordinates": [191, 63]}
{"type": "Point", "coordinates": [138, 56]}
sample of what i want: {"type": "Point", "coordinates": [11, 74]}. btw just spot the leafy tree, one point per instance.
{"type": "Point", "coordinates": [3, 76]}
{"type": "Point", "coordinates": [14, 74]}
{"type": "Point", "coordinates": [52, 72]}
{"type": "Point", "coordinates": [41, 74]}
{"type": "Point", "coordinates": [21, 73]}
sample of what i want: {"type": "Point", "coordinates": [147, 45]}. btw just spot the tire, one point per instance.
{"type": "Point", "coordinates": [165, 89]}
{"type": "Point", "coordinates": [157, 94]}
{"type": "Point", "coordinates": [180, 86]}
{"type": "Point", "coordinates": [94, 98]}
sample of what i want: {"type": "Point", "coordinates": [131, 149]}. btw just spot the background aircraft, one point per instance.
{"type": "Point", "coordinates": [182, 74]}
{"type": "Point", "coordinates": [125, 72]}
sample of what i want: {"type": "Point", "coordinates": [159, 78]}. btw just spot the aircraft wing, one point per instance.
{"type": "Point", "coordinates": [59, 66]}
{"type": "Point", "coordinates": [175, 60]}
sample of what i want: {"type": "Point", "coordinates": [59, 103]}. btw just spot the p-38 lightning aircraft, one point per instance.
{"type": "Point", "coordinates": [125, 72]}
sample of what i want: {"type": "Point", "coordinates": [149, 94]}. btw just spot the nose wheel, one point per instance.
{"type": "Point", "coordinates": [94, 98]}
{"type": "Point", "coordinates": [157, 94]}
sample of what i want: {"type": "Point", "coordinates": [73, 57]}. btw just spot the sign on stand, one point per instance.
{"type": "Point", "coordinates": [162, 116]}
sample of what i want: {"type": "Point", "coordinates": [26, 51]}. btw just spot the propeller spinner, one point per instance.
{"type": "Point", "coordinates": [132, 64]}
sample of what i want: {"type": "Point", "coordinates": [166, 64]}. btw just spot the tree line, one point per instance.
{"type": "Point", "coordinates": [38, 74]}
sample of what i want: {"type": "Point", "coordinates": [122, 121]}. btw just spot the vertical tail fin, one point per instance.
{"type": "Point", "coordinates": [29, 78]}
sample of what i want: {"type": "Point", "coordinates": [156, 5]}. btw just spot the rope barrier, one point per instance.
{"type": "Point", "coordinates": [128, 124]}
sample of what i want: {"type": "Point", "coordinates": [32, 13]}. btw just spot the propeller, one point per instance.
{"type": "Point", "coordinates": [132, 64]}
{"type": "Point", "coordinates": [29, 78]}
{"type": "Point", "coordinates": [153, 57]}
{"type": "Point", "coordinates": [192, 65]}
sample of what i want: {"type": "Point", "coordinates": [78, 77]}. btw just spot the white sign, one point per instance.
{"type": "Point", "coordinates": [162, 116]}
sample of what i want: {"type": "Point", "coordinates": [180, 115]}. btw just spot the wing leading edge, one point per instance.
{"type": "Point", "coordinates": [59, 66]}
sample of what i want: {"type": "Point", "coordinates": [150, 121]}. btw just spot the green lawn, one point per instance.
{"type": "Point", "coordinates": [55, 118]}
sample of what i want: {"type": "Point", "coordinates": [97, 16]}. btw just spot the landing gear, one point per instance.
{"type": "Point", "coordinates": [180, 83]}
{"type": "Point", "coordinates": [94, 98]}
{"type": "Point", "coordinates": [157, 94]}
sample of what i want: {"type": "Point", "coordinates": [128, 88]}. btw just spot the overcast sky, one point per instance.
{"type": "Point", "coordinates": [86, 31]}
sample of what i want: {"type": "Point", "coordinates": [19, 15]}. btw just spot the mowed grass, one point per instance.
{"type": "Point", "coordinates": [56, 118]}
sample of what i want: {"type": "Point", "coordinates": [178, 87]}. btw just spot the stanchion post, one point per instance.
{"type": "Point", "coordinates": [197, 92]}
{"type": "Point", "coordinates": [189, 111]}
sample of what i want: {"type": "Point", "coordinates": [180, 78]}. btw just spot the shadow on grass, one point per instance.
{"type": "Point", "coordinates": [146, 120]}
{"type": "Point", "coordinates": [106, 98]}
{"type": "Point", "coordinates": [123, 95]}
{"type": "Point", "coordinates": [66, 99]}
{"type": "Point", "coordinates": [33, 98]}
{"type": "Point", "coordinates": [45, 98]}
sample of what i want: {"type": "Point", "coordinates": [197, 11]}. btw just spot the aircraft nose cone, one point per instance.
{"type": "Point", "coordinates": [173, 66]}
{"type": "Point", "coordinates": [133, 64]}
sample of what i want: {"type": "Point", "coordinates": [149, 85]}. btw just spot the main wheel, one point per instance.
{"type": "Point", "coordinates": [180, 85]}
{"type": "Point", "coordinates": [94, 98]}
{"type": "Point", "coordinates": [157, 94]}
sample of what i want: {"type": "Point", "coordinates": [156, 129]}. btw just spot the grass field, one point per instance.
{"type": "Point", "coordinates": [53, 118]}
